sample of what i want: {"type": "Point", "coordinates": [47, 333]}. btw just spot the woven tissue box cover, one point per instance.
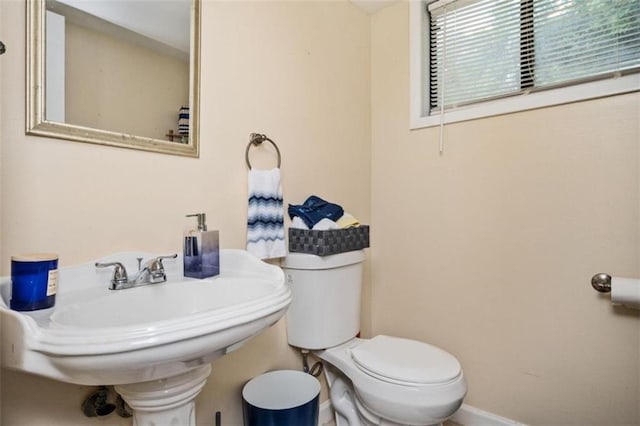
{"type": "Point", "coordinates": [324, 243]}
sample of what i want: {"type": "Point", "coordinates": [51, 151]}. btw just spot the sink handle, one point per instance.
{"type": "Point", "coordinates": [119, 271]}
{"type": "Point", "coordinates": [156, 264]}
{"type": "Point", "coordinates": [156, 268]}
{"type": "Point", "coordinates": [169, 256]}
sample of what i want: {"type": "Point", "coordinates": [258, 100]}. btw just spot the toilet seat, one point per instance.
{"type": "Point", "coordinates": [405, 362]}
{"type": "Point", "coordinates": [389, 389]}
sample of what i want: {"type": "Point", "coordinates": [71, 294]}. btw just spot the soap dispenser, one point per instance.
{"type": "Point", "coordinates": [201, 250]}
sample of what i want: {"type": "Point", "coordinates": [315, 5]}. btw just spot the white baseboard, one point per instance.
{"type": "Point", "coordinates": [325, 414]}
{"type": "Point", "coordinates": [471, 416]}
{"type": "Point", "coordinates": [465, 416]}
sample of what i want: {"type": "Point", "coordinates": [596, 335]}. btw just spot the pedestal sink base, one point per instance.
{"type": "Point", "coordinates": [169, 401]}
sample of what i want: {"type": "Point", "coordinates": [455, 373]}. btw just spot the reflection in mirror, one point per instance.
{"type": "Point", "coordinates": [115, 72]}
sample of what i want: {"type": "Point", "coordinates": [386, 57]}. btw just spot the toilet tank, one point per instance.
{"type": "Point", "coordinates": [325, 310]}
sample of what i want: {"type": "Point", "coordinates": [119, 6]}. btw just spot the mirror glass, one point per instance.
{"type": "Point", "coordinates": [115, 72]}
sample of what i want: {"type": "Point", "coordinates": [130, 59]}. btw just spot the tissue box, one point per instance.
{"type": "Point", "coordinates": [324, 243]}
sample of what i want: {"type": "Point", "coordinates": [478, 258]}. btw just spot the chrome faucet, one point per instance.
{"type": "Point", "coordinates": [152, 273]}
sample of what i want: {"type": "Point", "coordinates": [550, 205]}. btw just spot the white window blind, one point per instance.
{"type": "Point", "coordinates": [487, 49]}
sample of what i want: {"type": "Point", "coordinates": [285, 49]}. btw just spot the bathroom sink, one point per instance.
{"type": "Point", "coordinates": [97, 336]}
{"type": "Point", "coordinates": [160, 304]}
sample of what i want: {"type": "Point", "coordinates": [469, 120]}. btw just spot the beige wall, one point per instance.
{"type": "Point", "coordinates": [297, 71]}
{"type": "Point", "coordinates": [2, 89]}
{"type": "Point", "coordinates": [116, 85]}
{"type": "Point", "coordinates": [488, 250]}
{"type": "Point", "coordinates": [1, 175]}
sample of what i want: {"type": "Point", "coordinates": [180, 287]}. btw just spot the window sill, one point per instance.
{"type": "Point", "coordinates": [524, 102]}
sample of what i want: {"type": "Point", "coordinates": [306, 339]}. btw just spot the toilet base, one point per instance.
{"type": "Point", "coordinates": [348, 410]}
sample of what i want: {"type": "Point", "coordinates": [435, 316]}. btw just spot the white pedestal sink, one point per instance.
{"type": "Point", "coordinates": [156, 342]}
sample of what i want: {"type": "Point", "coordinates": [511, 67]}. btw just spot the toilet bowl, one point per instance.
{"type": "Point", "coordinates": [397, 381]}
{"type": "Point", "coordinates": [384, 380]}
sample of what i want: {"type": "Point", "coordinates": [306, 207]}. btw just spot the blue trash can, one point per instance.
{"type": "Point", "coordinates": [281, 398]}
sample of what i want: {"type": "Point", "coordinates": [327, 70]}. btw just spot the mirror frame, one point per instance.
{"type": "Point", "coordinates": [38, 125]}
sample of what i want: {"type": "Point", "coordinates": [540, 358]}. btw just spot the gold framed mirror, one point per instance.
{"type": "Point", "coordinates": [73, 91]}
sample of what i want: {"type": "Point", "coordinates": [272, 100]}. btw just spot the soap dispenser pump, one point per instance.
{"type": "Point", "coordinates": [201, 250]}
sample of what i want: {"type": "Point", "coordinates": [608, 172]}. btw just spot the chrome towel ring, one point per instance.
{"type": "Point", "coordinates": [256, 139]}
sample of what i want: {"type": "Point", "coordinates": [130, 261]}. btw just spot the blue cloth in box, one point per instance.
{"type": "Point", "coordinates": [314, 209]}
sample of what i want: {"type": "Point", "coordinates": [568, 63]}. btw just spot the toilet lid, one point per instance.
{"type": "Point", "coordinates": [404, 361]}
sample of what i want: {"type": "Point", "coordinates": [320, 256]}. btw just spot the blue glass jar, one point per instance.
{"type": "Point", "coordinates": [34, 281]}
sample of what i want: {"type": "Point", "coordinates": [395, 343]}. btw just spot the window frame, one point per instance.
{"type": "Point", "coordinates": [419, 94]}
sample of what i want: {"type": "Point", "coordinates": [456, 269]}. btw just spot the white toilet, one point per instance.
{"type": "Point", "coordinates": [380, 381]}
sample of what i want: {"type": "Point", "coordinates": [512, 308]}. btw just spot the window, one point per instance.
{"type": "Point", "coordinates": [475, 58]}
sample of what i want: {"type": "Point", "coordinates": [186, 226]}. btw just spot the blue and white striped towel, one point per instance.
{"type": "Point", "coordinates": [265, 218]}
